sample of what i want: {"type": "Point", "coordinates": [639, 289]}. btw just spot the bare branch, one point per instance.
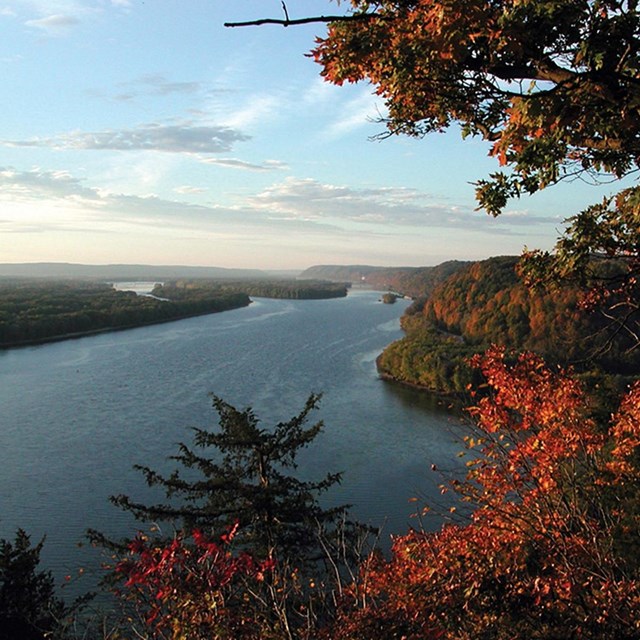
{"type": "Point", "coordinates": [313, 19]}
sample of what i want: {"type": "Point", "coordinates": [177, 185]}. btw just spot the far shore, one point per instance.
{"type": "Point", "coordinates": [93, 332]}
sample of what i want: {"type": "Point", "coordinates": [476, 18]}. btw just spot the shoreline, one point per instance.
{"type": "Point", "coordinates": [93, 332]}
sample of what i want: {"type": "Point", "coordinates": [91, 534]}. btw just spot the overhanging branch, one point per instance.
{"type": "Point", "coordinates": [313, 19]}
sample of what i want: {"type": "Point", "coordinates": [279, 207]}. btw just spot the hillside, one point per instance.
{"type": "Point", "coordinates": [484, 303]}
{"type": "Point", "coordinates": [417, 282]}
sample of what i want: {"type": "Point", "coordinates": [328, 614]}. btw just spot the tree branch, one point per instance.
{"type": "Point", "coordinates": [314, 19]}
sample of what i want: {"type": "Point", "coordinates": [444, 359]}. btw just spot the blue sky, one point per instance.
{"type": "Point", "coordinates": [145, 132]}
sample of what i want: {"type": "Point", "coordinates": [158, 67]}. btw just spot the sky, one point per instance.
{"type": "Point", "coordinates": [144, 131]}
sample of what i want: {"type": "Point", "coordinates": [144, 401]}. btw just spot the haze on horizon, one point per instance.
{"type": "Point", "coordinates": [146, 133]}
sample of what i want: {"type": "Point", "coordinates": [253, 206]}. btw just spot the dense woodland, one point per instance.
{"type": "Point", "coordinates": [487, 303]}
{"type": "Point", "coordinates": [41, 311]}
{"type": "Point", "coordinates": [33, 311]}
{"type": "Point", "coordinates": [289, 289]}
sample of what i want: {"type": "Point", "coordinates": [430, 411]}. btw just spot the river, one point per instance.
{"type": "Point", "coordinates": [77, 415]}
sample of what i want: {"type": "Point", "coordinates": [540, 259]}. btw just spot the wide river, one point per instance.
{"type": "Point", "coordinates": [75, 416]}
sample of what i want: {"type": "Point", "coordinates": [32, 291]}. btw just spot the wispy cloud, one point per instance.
{"type": "Point", "coordinates": [256, 110]}
{"type": "Point", "coordinates": [234, 163]}
{"type": "Point", "coordinates": [294, 205]}
{"type": "Point", "coordinates": [37, 184]}
{"type": "Point", "coordinates": [309, 199]}
{"type": "Point", "coordinates": [57, 17]}
{"type": "Point", "coordinates": [92, 208]}
{"type": "Point", "coordinates": [54, 23]}
{"type": "Point", "coordinates": [153, 84]}
{"type": "Point", "coordinates": [359, 111]}
{"type": "Point", "coordinates": [188, 190]}
{"type": "Point", "coordinates": [173, 138]}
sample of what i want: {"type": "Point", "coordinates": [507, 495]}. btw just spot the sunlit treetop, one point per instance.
{"type": "Point", "coordinates": [553, 85]}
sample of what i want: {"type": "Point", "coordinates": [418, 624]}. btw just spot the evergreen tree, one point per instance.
{"type": "Point", "coordinates": [236, 483]}
{"type": "Point", "coordinates": [243, 476]}
{"type": "Point", "coordinates": [29, 609]}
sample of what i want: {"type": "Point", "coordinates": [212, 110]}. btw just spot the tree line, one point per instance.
{"type": "Point", "coordinates": [33, 311]}
{"type": "Point", "coordinates": [288, 289]}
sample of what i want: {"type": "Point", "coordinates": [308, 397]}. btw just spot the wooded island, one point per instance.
{"type": "Point", "coordinates": [35, 311]}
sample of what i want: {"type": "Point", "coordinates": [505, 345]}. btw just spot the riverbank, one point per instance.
{"type": "Point", "coordinates": [94, 332]}
{"type": "Point", "coordinates": [96, 407]}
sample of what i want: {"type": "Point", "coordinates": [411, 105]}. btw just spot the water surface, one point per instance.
{"type": "Point", "coordinates": [76, 415]}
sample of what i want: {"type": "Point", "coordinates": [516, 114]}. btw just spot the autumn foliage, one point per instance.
{"type": "Point", "coordinates": [551, 85]}
{"type": "Point", "coordinates": [542, 541]}
{"type": "Point", "coordinates": [191, 588]}
{"type": "Point", "coordinates": [550, 549]}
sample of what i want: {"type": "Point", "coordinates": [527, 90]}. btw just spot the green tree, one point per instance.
{"type": "Point", "coordinates": [241, 477]}
{"type": "Point", "coordinates": [29, 608]}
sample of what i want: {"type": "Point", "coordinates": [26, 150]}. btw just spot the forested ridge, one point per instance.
{"type": "Point", "coordinates": [409, 281]}
{"type": "Point", "coordinates": [487, 303]}
{"type": "Point", "coordinates": [33, 311]}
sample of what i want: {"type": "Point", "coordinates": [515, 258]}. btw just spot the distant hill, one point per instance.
{"type": "Point", "coordinates": [417, 282]}
{"type": "Point", "coordinates": [123, 271]}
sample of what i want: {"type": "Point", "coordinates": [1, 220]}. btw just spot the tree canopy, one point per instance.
{"type": "Point", "coordinates": [553, 85]}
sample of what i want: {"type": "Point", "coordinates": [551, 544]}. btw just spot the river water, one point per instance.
{"type": "Point", "coordinates": [75, 416]}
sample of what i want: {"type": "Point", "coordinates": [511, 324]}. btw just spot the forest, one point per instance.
{"type": "Point", "coordinates": [289, 289]}
{"type": "Point", "coordinates": [487, 303]}
{"type": "Point", "coordinates": [411, 281]}
{"type": "Point", "coordinates": [540, 535]}
{"type": "Point", "coordinates": [41, 310]}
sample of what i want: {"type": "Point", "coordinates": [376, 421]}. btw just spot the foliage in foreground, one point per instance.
{"type": "Point", "coordinates": [29, 607]}
{"type": "Point", "coordinates": [545, 543]}
{"type": "Point", "coordinates": [192, 588]}
{"type": "Point", "coordinates": [551, 550]}
{"type": "Point", "coordinates": [549, 547]}
{"type": "Point", "coordinates": [255, 554]}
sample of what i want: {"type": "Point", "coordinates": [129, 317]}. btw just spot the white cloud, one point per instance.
{"type": "Point", "coordinates": [234, 163]}
{"type": "Point", "coordinates": [155, 84]}
{"type": "Point", "coordinates": [320, 92]}
{"type": "Point", "coordinates": [56, 17]}
{"type": "Point", "coordinates": [295, 208]}
{"type": "Point", "coordinates": [174, 138]}
{"type": "Point", "coordinates": [36, 184]}
{"type": "Point", "coordinates": [257, 110]}
{"type": "Point", "coordinates": [308, 199]}
{"type": "Point", "coordinates": [359, 111]}
{"type": "Point", "coordinates": [186, 189]}
{"type": "Point", "coordinates": [53, 23]}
